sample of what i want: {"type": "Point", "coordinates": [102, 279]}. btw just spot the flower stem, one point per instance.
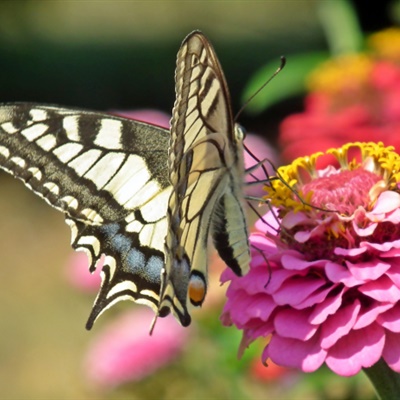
{"type": "Point", "coordinates": [385, 381]}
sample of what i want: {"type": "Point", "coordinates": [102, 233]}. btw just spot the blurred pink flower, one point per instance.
{"type": "Point", "coordinates": [125, 352]}
{"type": "Point", "coordinates": [324, 282]}
{"type": "Point", "coordinates": [153, 117]}
{"type": "Point", "coordinates": [352, 98]}
{"type": "Point", "coordinates": [77, 273]}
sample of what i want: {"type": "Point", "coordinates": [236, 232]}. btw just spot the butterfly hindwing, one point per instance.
{"type": "Point", "coordinates": [206, 171]}
{"type": "Point", "coordinates": [108, 176]}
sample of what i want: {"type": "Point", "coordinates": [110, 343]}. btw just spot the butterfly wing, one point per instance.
{"type": "Point", "coordinates": [108, 176]}
{"type": "Point", "coordinates": [206, 169]}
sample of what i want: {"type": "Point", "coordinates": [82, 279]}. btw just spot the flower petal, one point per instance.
{"type": "Point", "coordinates": [328, 307]}
{"type": "Point", "coordinates": [315, 298]}
{"type": "Point", "coordinates": [291, 262]}
{"type": "Point", "coordinates": [368, 316]}
{"type": "Point", "coordinates": [353, 252]}
{"type": "Point", "coordinates": [367, 271]}
{"type": "Point", "coordinates": [295, 291]}
{"type": "Point", "coordinates": [339, 324]}
{"type": "Point", "coordinates": [339, 274]}
{"type": "Point", "coordinates": [387, 201]}
{"type": "Point", "coordinates": [390, 319]}
{"type": "Point", "coordinates": [308, 355]}
{"type": "Point", "coordinates": [394, 272]}
{"type": "Point", "coordinates": [391, 352]}
{"type": "Point", "coordinates": [293, 324]}
{"type": "Point", "coordinates": [364, 232]}
{"type": "Point", "coordinates": [358, 349]}
{"type": "Point", "coordinates": [382, 289]}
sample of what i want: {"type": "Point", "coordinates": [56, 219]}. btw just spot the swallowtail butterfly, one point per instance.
{"type": "Point", "coordinates": [145, 198]}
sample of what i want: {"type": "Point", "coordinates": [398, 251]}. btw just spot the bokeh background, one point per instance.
{"type": "Point", "coordinates": [120, 55]}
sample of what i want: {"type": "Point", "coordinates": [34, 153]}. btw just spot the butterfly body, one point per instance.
{"type": "Point", "coordinates": [144, 198]}
{"type": "Point", "coordinates": [206, 172]}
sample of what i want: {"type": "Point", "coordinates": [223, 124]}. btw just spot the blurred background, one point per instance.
{"type": "Point", "coordinates": [120, 55]}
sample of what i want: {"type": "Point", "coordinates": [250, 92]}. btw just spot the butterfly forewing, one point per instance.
{"type": "Point", "coordinates": [206, 167]}
{"type": "Point", "coordinates": [108, 176]}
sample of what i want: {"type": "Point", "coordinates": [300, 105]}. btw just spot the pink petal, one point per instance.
{"type": "Point", "coordinates": [293, 324]}
{"type": "Point", "coordinates": [394, 272]}
{"type": "Point", "coordinates": [367, 271]}
{"type": "Point", "coordinates": [292, 353]}
{"type": "Point", "coordinates": [358, 349]}
{"type": "Point", "coordinates": [270, 222]}
{"type": "Point", "coordinates": [303, 236]}
{"type": "Point", "coordinates": [339, 274]}
{"type": "Point", "coordinates": [324, 309]}
{"type": "Point", "coordinates": [250, 307]}
{"type": "Point", "coordinates": [363, 232]}
{"type": "Point", "coordinates": [295, 291]}
{"type": "Point", "coordinates": [382, 290]}
{"type": "Point", "coordinates": [391, 319]}
{"type": "Point", "coordinates": [278, 278]}
{"type": "Point", "coordinates": [292, 219]}
{"type": "Point", "coordinates": [391, 253]}
{"type": "Point", "coordinates": [259, 241]}
{"type": "Point", "coordinates": [260, 307]}
{"type": "Point", "coordinates": [227, 275]}
{"type": "Point", "coordinates": [393, 217]}
{"type": "Point", "coordinates": [368, 316]}
{"type": "Point", "coordinates": [381, 247]}
{"type": "Point", "coordinates": [339, 324]}
{"type": "Point", "coordinates": [260, 329]}
{"type": "Point", "coordinates": [315, 298]}
{"type": "Point", "coordinates": [391, 352]}
{"type": "Point", "coordinates": [292, 262]}
{"type": "Point", "coordinates": [354, 252]}
{"type": "Point", "coordinates": [387, 202]}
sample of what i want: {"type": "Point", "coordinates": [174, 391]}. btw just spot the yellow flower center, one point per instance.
{"type": "Point", "coordinates": [370, 169]}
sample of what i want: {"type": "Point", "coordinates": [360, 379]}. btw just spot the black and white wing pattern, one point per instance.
{"type": "Point", "coordinates": [108, 176]}
{"type": "Point", "coordinates": [206, 172]}
{"type": "Point", "coordinates": [143, 197]}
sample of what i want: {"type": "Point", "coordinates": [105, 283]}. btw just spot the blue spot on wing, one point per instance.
{"type": "Point", "coordinates": [140, 261]}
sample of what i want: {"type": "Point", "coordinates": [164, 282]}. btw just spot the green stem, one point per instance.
{"type": "Point", "coordinates": [385, 381]}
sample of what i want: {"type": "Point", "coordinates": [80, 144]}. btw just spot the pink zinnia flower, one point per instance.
{"type": "Point", "coordinates": [324, 282]}
{"type": "Point", "coordinates": [125, 352]}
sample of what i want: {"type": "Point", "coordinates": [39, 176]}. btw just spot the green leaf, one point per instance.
{"type": "Point", "coordinates": [288, 83]}
{"type": "Point", "coordinates": [342, 29]}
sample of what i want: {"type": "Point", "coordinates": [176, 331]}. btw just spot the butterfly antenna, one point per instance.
{"type": "Point", "coordinates": [282, 65]}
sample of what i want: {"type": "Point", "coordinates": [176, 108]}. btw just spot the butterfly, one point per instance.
{"type": "Point", "coordinates": [145, 198]}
